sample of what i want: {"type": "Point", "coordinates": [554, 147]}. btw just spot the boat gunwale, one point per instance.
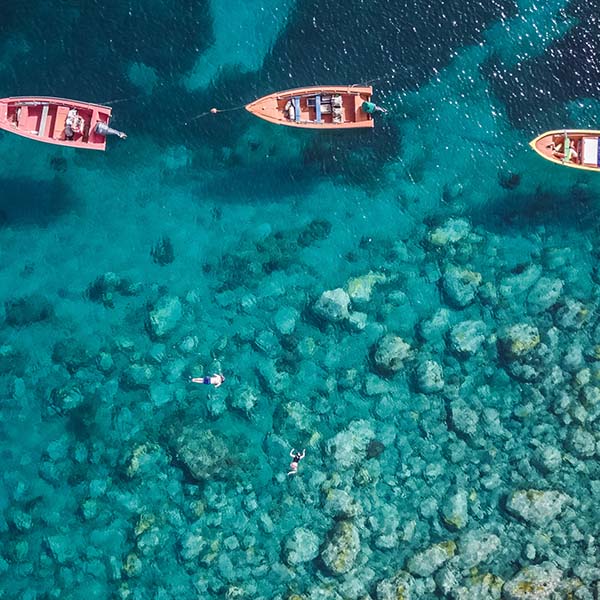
{"type": "Point", "coordinates": [58, 101]}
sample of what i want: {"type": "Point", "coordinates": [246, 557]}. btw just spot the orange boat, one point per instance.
{"type": "Point", "coordinates": [58, 121]}
{"type": "Point", "coordinates": [577, 148]}
{"type": "Point", "coordinates": [319, 107]}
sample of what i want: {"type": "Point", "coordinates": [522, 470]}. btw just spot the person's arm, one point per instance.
{"type": "Point", "coordinates": [303, 453]}
{"type": "Point", "coordinates": [292, 452]}
{"type": "Point", "coordinates": [219, 380]}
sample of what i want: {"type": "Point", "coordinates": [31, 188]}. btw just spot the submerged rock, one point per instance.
{"type": "Point", "coordinates": [316, 230]}
{"type": "Point", "coordinates": [476, 547]}
{"type": "Point", "coordinates": [537, 506]}
{"type": "Point", "coordinates": [339, 503]}
{"type": "Point", "coordinates": [203, 452]}
{"type": "Point", "coordinates": [548, 458]}
{"type": "Point", "coordinates": [267, 342]}
{"type": "Point", "coordinates": [375, 449]}
{"type": "Point", "coordinates": [106, 286]}
{"type": "Point", "coordinates": [571, 315]}
{"type": "Point", "coordinates": [428, 561]}
{"type": "Point", "coordinates": [65, 399]}
{"type": "Point", "coordinates": [435, 328]}
{"type": "Point", "coordinates": [162, 252]}
{"type": "Point", "coordinates": [390, 353]}
{"type": "Point", "coordinates": [62, 548]}
{"type": "Point", "coordinates": [72, 354]}
{"type": "Point", "coordinates": [480, 587]}
{"type": "Point", "coordinates": [132, 565]}
{"type": "Point", "coordinates": [535, 582]}
{"type": "Point", "coordinates": [361, 288]}
{"type": "Point", "coordinates": [521, 278]}
{"type": "Point", "coordinates": [581, 442]}
{"type": "Point", "coordinates": [286, 319]}
{"type": "Point", "coordinates": [454, 511]}
{"type": "Point", "coordinates": [342, 549]}
{"type": "Point", "coordinates": [397, 587]}
{"type": "Point", "coordinates": [460, 286]}
{"type": "Point", "coordinates": [245, 399]}
{"type": "Point", "coordinates": [518, 340]}
{"type": "Point", "coordinates": [333, 305]}
{"type": "Point", "coordinates": [544, 294]}
{"type": "Point", "coordinates": [349, 447]}
{"type": "Point", "coordinates": [191, 544]}
{"type": "Point", "coordinates": [467, 337]}
{"type": "Point", "coordinates": [358, 320]}
{"type": "Point", "coordinates": [452, 231]}
{"type": "Point", "coordinates": [464, 419]}
{"type": "Point", "coordinates": [301, 547]}
{"type": "Point", "coordinates": [138, 377]}
{"type": "Point", "coordinates": [146, 459]}
{"type": "Point", "coordinates": [429, 377]}
{"type": "Point", "coordinates": [164, 316]}
{"type": "Point", "coordinates": [27, 310]}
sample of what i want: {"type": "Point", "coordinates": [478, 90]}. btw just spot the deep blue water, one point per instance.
{"type": "Point", "coordinates": [448, 409]}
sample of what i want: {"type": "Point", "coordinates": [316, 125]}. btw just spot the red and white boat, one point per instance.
{"type": "Point", "coordinates": [577, 148]}
{"type": "Point", "coordinates": [58, 121]}
{"type": "Point", "coordinates": [317, 107]}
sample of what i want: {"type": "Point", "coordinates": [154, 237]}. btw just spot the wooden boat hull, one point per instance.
{"type": "Point", "coordinates": [44, 119]}
{"type": "Point", "coordinates": [584, 142]}
{"type": "Point", "coordinates": [317, 107]}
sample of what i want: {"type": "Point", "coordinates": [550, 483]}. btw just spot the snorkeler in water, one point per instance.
{"type": "Point", "coordinates": [217, 379]}
{"type": "Point", "coordinates": [296, 458]}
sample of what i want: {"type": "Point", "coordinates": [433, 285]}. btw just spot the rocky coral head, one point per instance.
{"type": "Point", "coordinates": [375, 449]}
{"type": "Point", "coordinates": [27, 310]}
{"type": "Point", "coordinates": [316, 230]}
{"type": "Point", "coordinates": [517, 341]}
{"type": "Point", "coordinates": [332, 306]}
{"type": "Point", "coordinates": [390, 354]}
{"type": "Point", "coordinates": [202, 453]}
{"type": "Point", "coordinates": [162, 252]}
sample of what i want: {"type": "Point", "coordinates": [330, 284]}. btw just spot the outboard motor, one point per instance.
{"type": "Point", "coordinates": [103, 129]}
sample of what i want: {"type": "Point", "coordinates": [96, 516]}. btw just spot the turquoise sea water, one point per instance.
{"type": "Point", "coordinates": [416, 306]}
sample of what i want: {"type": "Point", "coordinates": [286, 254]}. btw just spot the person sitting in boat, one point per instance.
{"type": "Point", "coordinates": [559, 143]}
{"type": "Point", "coordinates": [74, 124]}
{"type": "Point", "coordinates": [371, 108]}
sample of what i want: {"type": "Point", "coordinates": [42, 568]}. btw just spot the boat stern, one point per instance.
{"type": "Point", "coordinates": [3, 110]}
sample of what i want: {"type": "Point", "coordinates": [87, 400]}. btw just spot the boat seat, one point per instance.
{"type": "Point", "coordinates": [590, 154]}
{"type": "Point", "coordinates": [577, 145]}
{"type": "Point", "coordinates": [59, 122]}
{"type": "Point", "coordinates": [296, 103]}
{"type": "Point", "coordinates": [318, 109]}
{"type": "Point", "coordinates": [43, 120]}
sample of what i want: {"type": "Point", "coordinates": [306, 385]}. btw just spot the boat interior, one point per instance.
{"type": "Point", "coordinates": [47, 120]}
{"type": "Point", "coordinates": [321, 108]}
{"type": "Point", "coordinates": [576, 149]}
